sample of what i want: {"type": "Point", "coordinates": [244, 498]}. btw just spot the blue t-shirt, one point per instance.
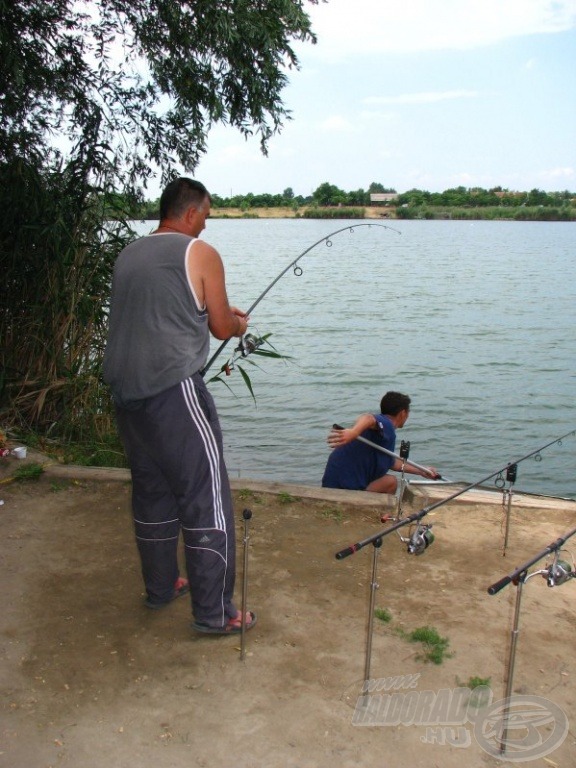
{"type": "Point", "coordinates": [355, 465]}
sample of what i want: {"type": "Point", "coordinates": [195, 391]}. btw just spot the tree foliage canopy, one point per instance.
{"type": "Point", "coordinates": [95, 97]}
{"type": "Point", "coordinates": [133, 84]}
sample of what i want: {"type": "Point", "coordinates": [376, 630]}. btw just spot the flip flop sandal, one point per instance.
{"type": "Point", "coordinates": [182, 587]}
{"type": "Point", "coordinates": [234, 626]}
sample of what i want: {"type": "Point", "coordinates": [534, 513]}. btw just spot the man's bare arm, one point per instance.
{"type": "Point", "coordinates": [206, 273]}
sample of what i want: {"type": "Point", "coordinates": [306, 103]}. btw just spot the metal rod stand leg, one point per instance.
{"type": "Point", "coordinates": [511, 662]}
{"type": "Point", "coordinates": [246, 514]}
{"type": "Point", "coordinates": [373, 587]}
{"type": "Point", "coordinates": [401, 488]}
{"type": "Point", "coordinates": [507, 529]}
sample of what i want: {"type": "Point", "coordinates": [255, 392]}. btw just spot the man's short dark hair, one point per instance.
{"type": "Point", "coordinates": [181, 194]}
{"type": "Point", "coordinates": [394, 402]}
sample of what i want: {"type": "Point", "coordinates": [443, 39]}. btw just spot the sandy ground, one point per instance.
{"type": "Point", "coordinates": [90, 678]}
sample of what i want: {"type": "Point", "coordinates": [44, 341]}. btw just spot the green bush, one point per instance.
{"type": "Point", "coordinates": [333, 212]}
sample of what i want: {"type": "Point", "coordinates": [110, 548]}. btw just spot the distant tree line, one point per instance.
{"type": "Point", "coordinates": [325, 195]}
{"type": "Point", "coordinates": [478, 203]}
{"type": "Point", "coordinates": [476, 197]}
{"type": "Point", "coordinates": [415, 203]}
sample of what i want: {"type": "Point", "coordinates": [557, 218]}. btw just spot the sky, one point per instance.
{"type": "Point", "coordinates": [419, 94]}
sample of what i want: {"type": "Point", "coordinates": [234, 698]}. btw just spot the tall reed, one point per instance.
{"type": "Point", "coordinates": [56, 257]}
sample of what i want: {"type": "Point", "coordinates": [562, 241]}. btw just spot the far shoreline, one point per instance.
{"type": "Point", "coordinates": [286, 212]}
{"type": "Point", "coordinates": [385, 213]}
{"type": "Point", "coordinates": [379, 213]}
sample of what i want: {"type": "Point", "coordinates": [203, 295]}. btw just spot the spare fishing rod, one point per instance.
{"type": "Point", "coordinates": [417, 516]}
{"type": "Point", "coordinates": [555, 574]}
{"type": "Point", "coordinates": [422, 538]}
{"type": "Point", "coordinates": [298, 272]}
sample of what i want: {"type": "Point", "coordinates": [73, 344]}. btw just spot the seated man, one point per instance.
{"type": "Point", "coordinates": [356, 466]}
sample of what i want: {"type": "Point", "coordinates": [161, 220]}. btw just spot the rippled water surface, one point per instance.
{"type": "Point", "coordinates": [475, 321]}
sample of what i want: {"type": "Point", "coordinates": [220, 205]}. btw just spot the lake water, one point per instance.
{"type": "Point", "coordinates": [475, 321]}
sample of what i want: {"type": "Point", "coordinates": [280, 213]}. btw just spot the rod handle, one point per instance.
{"type": "Point", "coordinates": [499, 585]}
{"type": "Point", "coordinates": [346, 552]}
{"type": "Point", "coordinates": [337, 426]}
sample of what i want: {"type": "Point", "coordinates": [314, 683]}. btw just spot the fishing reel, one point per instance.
{"type": "Point", "coordinates": [558, 573]}
{"type": "Point", "coordinates": [420, 540]}
{"type": "Point", "coordinates": [248, 344]}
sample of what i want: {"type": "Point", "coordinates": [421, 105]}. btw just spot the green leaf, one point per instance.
{"type": "Point", "coordinates": [247, 381]}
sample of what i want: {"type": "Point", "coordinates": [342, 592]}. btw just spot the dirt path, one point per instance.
{"type": "Point", "coordinates": [91, 678]}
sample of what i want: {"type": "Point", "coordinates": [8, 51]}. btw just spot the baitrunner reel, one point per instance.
{"type": "Point", "coordinates": [420, 540]}
{"type": "Point", "coordinates": [558, 573]}
{"type": "Point", "coordinates": [248, 344]}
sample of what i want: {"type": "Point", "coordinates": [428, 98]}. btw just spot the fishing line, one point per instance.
{"type": "Point", "coordinates": [298, 272]}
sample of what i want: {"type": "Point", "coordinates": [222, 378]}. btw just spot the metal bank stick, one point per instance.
{"type": "Point", "coordinates": [246, 514]}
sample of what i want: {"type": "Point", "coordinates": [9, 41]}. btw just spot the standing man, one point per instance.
{"type": "Point", "coordinates": [355, 466]}
{"type": "Point", "coordinates": [168, 295]}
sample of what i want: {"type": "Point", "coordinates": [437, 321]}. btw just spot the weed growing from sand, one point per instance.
{"type": "Point", "coordinates": [244, 494]}
{"type": "Point", "coordinates": [28, 472]}
{"type": "Point", "coordinates": [383, 614]}
{"type": "Point", "coordinates": [333, 514]}
{"type": "Point", "coordinates": [435, 648]}
{"type": "Point", "coordinates": [287, 498]}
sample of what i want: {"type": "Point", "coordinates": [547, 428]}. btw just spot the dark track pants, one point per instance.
{"type": "Point", "coordinates": [173, 443]}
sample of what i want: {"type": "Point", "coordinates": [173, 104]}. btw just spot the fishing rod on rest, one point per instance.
{"type": "Point", "coordinates": [297, 271]}
{"type": "Point", "coordinates": [555, 574]}
{"type": "Point", "coordinates": [421, 538]}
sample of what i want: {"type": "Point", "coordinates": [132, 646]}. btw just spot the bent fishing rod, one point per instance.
{"type": "Point", "coordinates": [297, 271]}
{"type": "Point", "coordinates": [391, 453]}
{"type": "Point", "coordinates": [417, 516]}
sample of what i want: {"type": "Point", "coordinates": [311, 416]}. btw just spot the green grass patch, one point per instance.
{"type": "Point", "coordinates": [333, 212]}
{"type": "Point", "coordinates": [480, 691]}
{"type": "Point", "coordinates": [434, 647]}
{"type": "Point", "coordinates": [28, 472]}
{"type": "Point", "coordinates": [333, 514]}
{"type": "Point", "coordinates": [58, 485]}
{"type": "Point", "coordinates": [383, 614]}
{"type": "Point", "coordinates": [287, 498]}
{"type": "Point", "coordinates": [245, 494]}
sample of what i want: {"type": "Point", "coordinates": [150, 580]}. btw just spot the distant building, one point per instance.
{"type": "Point", "coordinates": [383, 197]}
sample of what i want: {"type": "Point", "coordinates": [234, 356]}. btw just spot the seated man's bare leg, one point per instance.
{"type": "Point", "coordinates": [384, 484]}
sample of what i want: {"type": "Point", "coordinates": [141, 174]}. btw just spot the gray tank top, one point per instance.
{"type": "Point", "coordinates": [157, 335]}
